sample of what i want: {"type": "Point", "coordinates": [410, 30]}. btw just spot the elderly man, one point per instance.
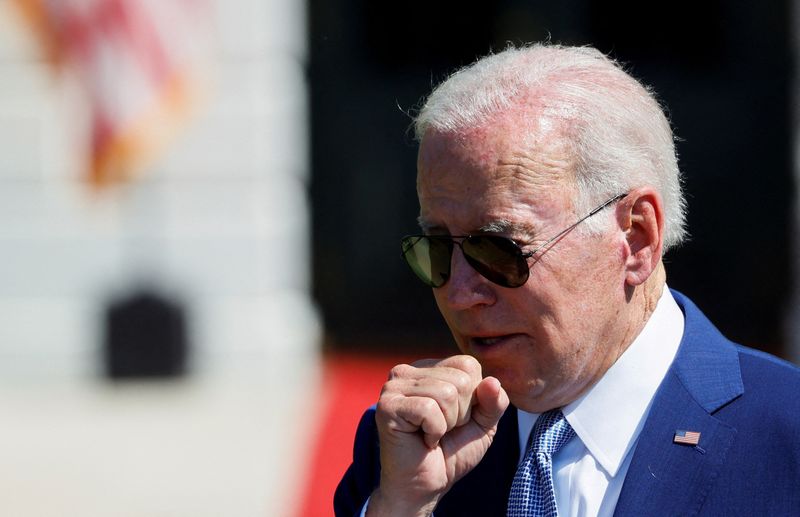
{"type": "Point", "coordinates": [549, 191]}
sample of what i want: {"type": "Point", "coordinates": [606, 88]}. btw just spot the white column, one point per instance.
{"type": "Point", "coordinates": [221, 222]}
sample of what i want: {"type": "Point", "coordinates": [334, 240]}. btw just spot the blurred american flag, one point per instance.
{"type": "Point", "coordinates": [140, 63]}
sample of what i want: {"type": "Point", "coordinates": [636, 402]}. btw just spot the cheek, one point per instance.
{"type": "Point", "coordinates": [563, 310]}
{"type": "Point", "coordinates": [440, 299]}
{"type": "Point", "coordinates": [591, 272]}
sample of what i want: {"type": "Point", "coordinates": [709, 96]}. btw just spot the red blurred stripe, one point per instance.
{"type": "Point", "coordinates": [351, 383]}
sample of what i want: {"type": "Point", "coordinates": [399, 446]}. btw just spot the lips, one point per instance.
{"type": "Point", "coordinates": [486, 341]}
{"type": "Point", "coordinates": [491, 341]}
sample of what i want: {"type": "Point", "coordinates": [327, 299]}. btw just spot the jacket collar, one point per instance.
{"type": "Point", "coordinates": [707, 363]}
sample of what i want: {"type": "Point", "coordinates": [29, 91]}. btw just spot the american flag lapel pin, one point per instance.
{"type": "Point", "coordinates": [686, 437]}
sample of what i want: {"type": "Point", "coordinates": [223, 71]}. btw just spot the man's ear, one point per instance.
{"type": "Point", "coordinates": [641, 215]}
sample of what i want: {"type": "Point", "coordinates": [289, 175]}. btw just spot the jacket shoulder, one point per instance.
{"type": "Point", "coordinates": [771, 386]}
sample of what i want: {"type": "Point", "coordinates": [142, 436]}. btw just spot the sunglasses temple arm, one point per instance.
{"type": "Point", "coordinates": [572, 227]}
{"type": "Point", "coordinates": [555, 238]}
{"type": "Point", "coordinates": [612, 200]}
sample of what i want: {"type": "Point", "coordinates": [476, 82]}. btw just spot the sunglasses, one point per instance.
{"type": "Point", "coordinates": [498, 259]}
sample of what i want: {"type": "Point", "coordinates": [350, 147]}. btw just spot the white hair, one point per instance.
{"type": "Point", "coordinates": [617, 132]}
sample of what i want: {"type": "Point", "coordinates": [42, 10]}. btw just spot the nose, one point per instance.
{"type": "Point", "coordinates": [465, 288]}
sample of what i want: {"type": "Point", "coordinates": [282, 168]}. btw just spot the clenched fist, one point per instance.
{"type": "Point", "coordinates": [436, 419]}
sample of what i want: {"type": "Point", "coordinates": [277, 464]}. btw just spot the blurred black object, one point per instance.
{"type": "Point", "coordinates": [145, 337]}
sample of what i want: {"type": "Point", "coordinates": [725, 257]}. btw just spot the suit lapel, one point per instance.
{"type": "Point", "coordinates": [666, 478]}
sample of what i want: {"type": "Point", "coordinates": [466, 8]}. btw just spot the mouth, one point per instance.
{"type": "Point", "coordinates": [491, 342]}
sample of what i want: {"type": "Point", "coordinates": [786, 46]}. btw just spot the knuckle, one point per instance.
{"type": "Point", "coordinates": [389, 403]}
{"type": "Point", "coordinates": [390, 387]}
{"type": "Point", "coordinates": [399, 371]}
{"type": "Point", "coordinates": [384, 405]}
{"type": "Point", "coordinates": [463, 382]}
{"type": "Point", "coordinates": [382, 413]}
{"type": "Point", "coordinates": [449, 393]}
{"type": "Point", "coordinates": [428, 405]}
{"type": "Point", "coordinates": [465, 363]}
{"type": "Point", "coordinates": [470, 365]}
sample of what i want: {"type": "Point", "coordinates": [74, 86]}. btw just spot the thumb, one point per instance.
{"type": "Point", "coordinates": [492, 402]}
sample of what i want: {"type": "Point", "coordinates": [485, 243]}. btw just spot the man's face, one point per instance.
{"type": "Point", "coordinates": [552, 338]}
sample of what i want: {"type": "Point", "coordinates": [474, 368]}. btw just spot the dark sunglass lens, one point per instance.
{"type": "Point", "coordinates": [497, 258]}
{"type": "Point", "coordinates": [429, 258]}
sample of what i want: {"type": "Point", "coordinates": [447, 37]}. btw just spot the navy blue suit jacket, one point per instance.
{"type": "Point", "coordinates": [744, 403]}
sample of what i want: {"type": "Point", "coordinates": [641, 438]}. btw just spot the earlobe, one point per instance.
{"type": "Point", "coordinates": [641, 215]}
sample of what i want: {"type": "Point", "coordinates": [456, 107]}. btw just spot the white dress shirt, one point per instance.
{"type": "Point", "coordinates": [589, 470]}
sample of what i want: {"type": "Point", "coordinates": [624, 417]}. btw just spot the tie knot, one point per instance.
{"type": "Point", "coordinates": [550, 432]}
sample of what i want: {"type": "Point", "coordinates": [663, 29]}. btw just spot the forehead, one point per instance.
{"type": "Point", "coordinates": [504, 171]}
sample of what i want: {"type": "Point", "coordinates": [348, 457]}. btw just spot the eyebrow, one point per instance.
{"type": "Point", "coordinates": [500, 226]}
{"type": "Point", "coordinates": [425, 226]}
{"type": "Point", "coordinates": [503, 226]}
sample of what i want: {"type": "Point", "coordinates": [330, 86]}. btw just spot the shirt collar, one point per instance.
{"type": "Point", "coordinates": [609, 417]}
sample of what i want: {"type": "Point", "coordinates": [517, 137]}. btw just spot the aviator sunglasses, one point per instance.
{"type": "Point", "coordinates": [497, 258]}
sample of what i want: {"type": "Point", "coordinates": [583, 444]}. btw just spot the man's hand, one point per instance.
{"type": "Point", "coordinates": [436, 419]}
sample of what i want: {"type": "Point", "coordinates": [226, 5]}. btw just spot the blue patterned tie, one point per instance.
{"type": "Point", "coordinates": [532, 493]}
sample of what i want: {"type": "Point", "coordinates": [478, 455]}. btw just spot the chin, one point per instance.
{"type": "Point", "coordinates": [521, 390]}
{"type": "Point", "coordinates": [531, 401]}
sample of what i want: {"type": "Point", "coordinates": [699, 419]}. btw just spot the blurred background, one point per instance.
{"type": "Point", "coordinates": [200, 210]}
